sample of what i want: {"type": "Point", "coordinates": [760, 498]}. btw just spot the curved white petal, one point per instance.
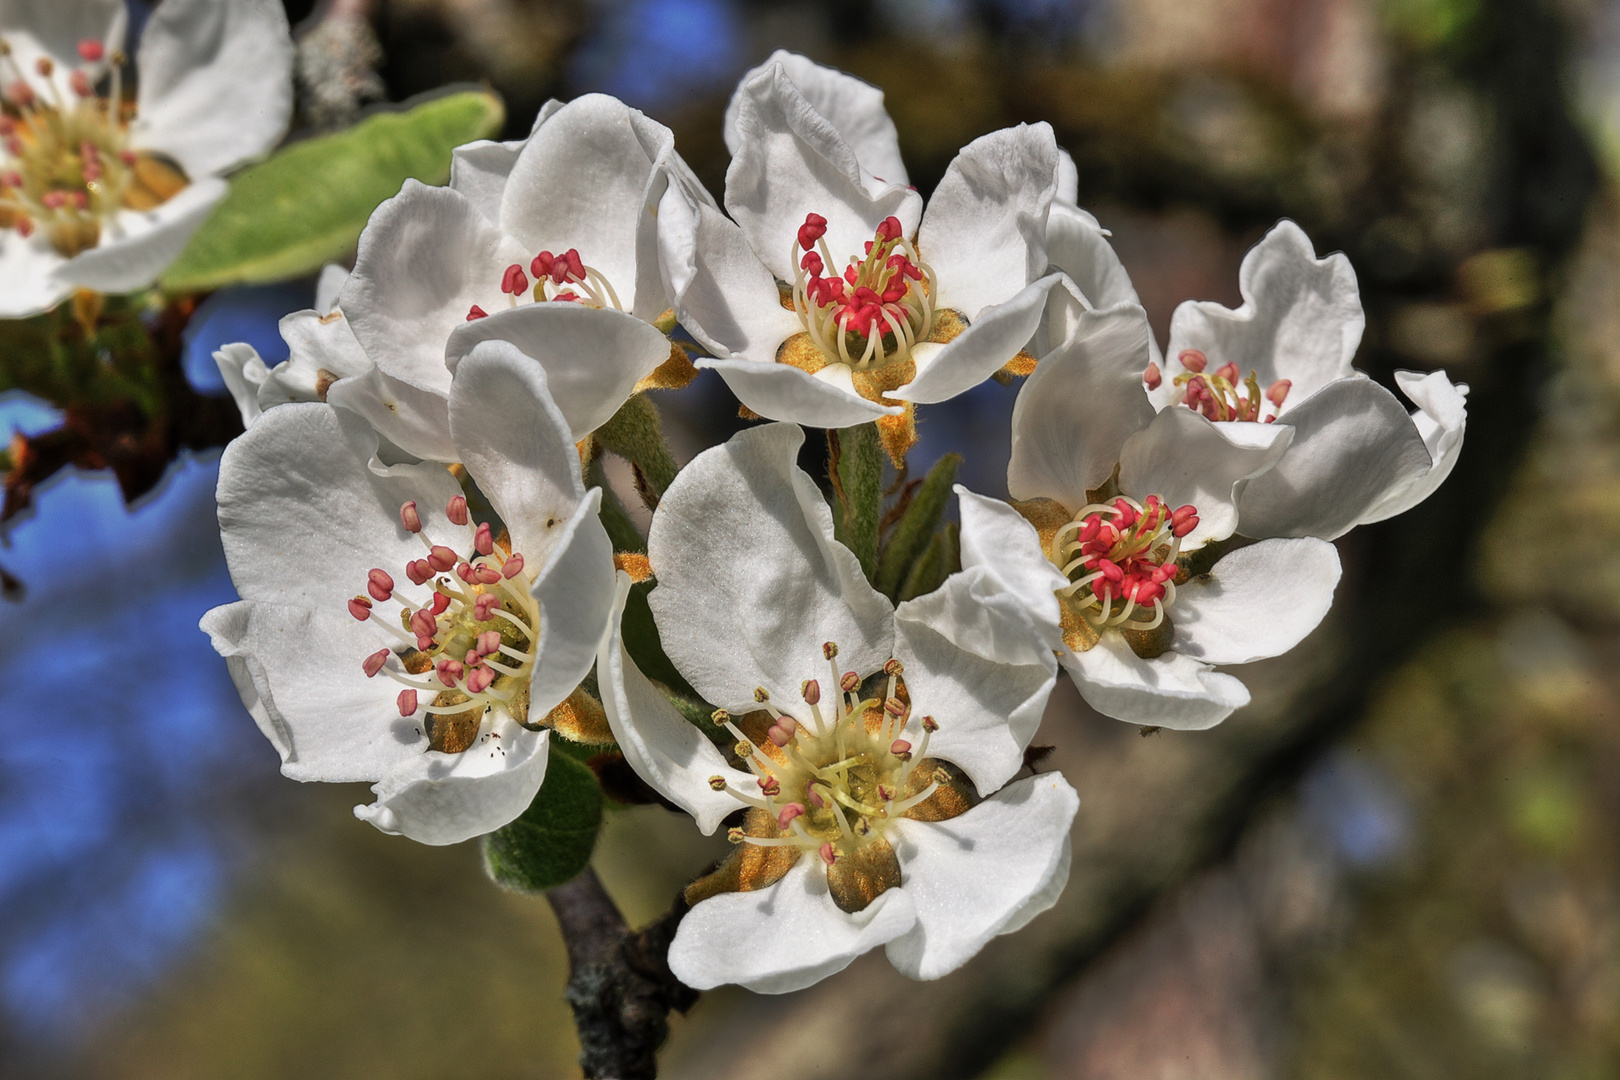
{"type": "Point", "coordinates": [984, 233]}
{"type": "Point", "coordinates": [854, 108]}
{"type": "Point", "coordinates": [1301, 317]}
{"type": "Point", "coordinates": [1256, 602]}
{"type": "Point", "coordinates": [446, 798]}
{"type": "Point", "coordinates": [426, 257]}
{"type": "Point", "coordinates": [1183, 458]}
{"type": "Point", "coordinates": [975, 876]}
{"type": "Point", "coordinates": [417, 421]}
{"type": "Point", "coordinates": [244, 372]}
{"type": "Point", "coordinates": [320, 349]}
{"type": "Point", "coordinates": [1074, 414]}
{"type": "Point", "coordinates": [1079, 247]}
{"type": "Point", "coordinates": [215, 85]}
{"type": "Point", "coordinates": [1441, 419]}
{"type": "Point", "coordinates": [138, 245]}
{"type": "Point", "coordinates": [783, 392]}
{"type": "Point", "coordinates": [659, 743]}
{"type": "Point", "coordinates": [305, 512]}
{"type": "Point", "coordinates": [28, 281]}
{"type": "Point", "coordinates": [791, 162]}
{"type": "Point", "coordinates": [784, 937]}
{"type": "Point", "coordinates": [592, 357]}
{"type": "Point", "coordinates": [976, 661]}
{"type": "Point", "coordinates": [1172, 690]}
{"type": "Point", "coordinates": [575, 593]}
{"type": "Point", "coordinates": [996, 537]}
{"type": "Point", "coordinates": [479, 169]}
{"type": "Point", "coordinates": [751, 582]}
{"type": "Point", "coordinates": [1354, 446]}
{"type": "Point", "coordinates": [324, 717]}
{"type": "Point", "coordinates": [331, 281]}
{"type": "Point", "coordinates": [996, 335]}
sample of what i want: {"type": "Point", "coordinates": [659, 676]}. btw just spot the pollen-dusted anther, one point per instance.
{"type": "Point", "coordinates": [409, 518]}
{"type": "Point", "coordinates": [720, 716]}
{"type": "Point", "coordinates": [379, 585]}
{"type": "Point", "coordinates": [735, 835]}
{"type": "Point", "coordinates": [770, 785]}
{"type": "Point", "coordinates": [407, 702]}
{"type": "Point", "coordinates": [893, 668]}
{"type": "Point", "coordinates": [744, 749]}
{"type": "Point", "coordinates": [761, 694]}
{"type": "Point", "coordinates": [810, 690]}
{"type": "Point", "coordinates": [929, 724]}
{"type": "Point", "coordinates": [717, 783]}
{"type": "Point", "coordinates": [456, 510]}
{"type": "Point", "coordinates": [894, 707]}
{"type": "Point", "coordinates": [360, 608]}
{"type": "Point", "coordinates": [374, 663]}
{"type": "Point", "coordinates": [829, 650]}
{"type": "Point", "coordinates": [850, 683]}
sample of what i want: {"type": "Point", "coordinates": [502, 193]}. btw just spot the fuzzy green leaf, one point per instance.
{"type": "Point", "coordinates": [306, 205]}
{"type": "Point", "coordinates": [942, 559]}
{"type": "Point", "coordinates": [636, 433]}
{"type": "Point", "coordinates": [912, 532]}
{"type": "Point", "coordinates": [855, 455]}
{"type": "Point", "coordinates": [552, 841]}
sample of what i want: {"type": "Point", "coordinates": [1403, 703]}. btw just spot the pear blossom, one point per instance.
{"type": "Point", "coordinates": [830, 297]}
{"type": "Point", "coordinates": [383, 634]}
{"type": "Point", "coordinates": [1284, 357]}
{"type": "Point", "coordinates": [96, 196]}
{"type": "Point", "coordinates": [1104, 544]}
{"type": "Point", "coordinates": [548, 243]}
{"type": "Point", "coordinates": [874, 744]}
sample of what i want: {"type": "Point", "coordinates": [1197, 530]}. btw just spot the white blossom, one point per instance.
{"type": "Point", "coordinates": [380, 635]}
{"type": "Point", "coordinates": [94, 199]}
{"type": "Point", "coordinates": [867, 735]}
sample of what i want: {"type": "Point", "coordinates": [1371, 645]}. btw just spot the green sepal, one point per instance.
{"type": "Point", "coordinates": [305, 206]}
{"type": "Point", "coordinates": [551, 842]}
{"type": "Point", "coordinates": [641, 641]}
{"type": "Point", "coordinates": [701, 716]}
{"type": "Point", "coordinates": [855, 462]}
{"type": "Point", "coordinates": [621, 528]}
{"type": "Point", "coordinates": [636, 433]}
{"type": "Point", "coordinates": [916, 526]}
{"type": "Point", "coordinates": [942, 559]}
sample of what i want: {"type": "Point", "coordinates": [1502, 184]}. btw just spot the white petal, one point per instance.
{"type": "Point", "coordinates": [1183, 458]}
{"type": "Point", "coordinates": [783, 392]}
{"type": "Point", "coordinates": [244, 372]}
{"type": "Point", "coordinates": [478, 170]}
{"type": "Point", "coordinates": [854, 108]}
{"type": "Point", "coordinates": [28, 281]}
{"type": "Point", "coordinates": [750, 579]}
{"type": "Point", "coordinates": [215, 84]}
{"type": "Point", "coordinates": [975, 876]}
{"type": "Point", "coordinates": [784, 937]}
{"type": "Point", "coordinates": [984, 232]}
{"type": "Point", "coordinates": [140, 244]}
{"type": "Point", "coordinates": [447, 798]}
{"type": "Point", "coordinates": [592, 357]}
{"type": "Point", "coordinates": [1301, 317]}
{"type": "Point", "coordinates": [1075, 413]}
{"type": "Point", "coordinates": [1441, 419]}
{"type": "Point", "coordinates": [516, 444]}
{"type": "Point", "coordinates": [417, 421]}
{"type": "Point", "coordinates": [1354, 446]}
{"type": "Point", "coordinates": [320, 350]}
{"type": "Point", "coordinates": [996, 335]}
{"type": "Point", "coordinates": [304, 513]}
{"type": "Point", "coordinates": [426, 257]}
{"type": "Point", "coordinates": [326, 719]}
{"type": "Point", "coordinates": [791, 161]}
{"type": "Point", "coordinates": [976, 661]}
{"type": "Point", "coordinates": [575, 592]}
{"type": "Point", "coordinates": [1068, 179]}
{"type": "Point", "coordinates": [1077, 245]}
{"type": "Point", "coordinates": [722, 294]}
{"type": "Point", "coordinates": [664, 749]}
{"type": "Point", "coordinates": [53, 28]}
{"type": "Point", "coordinates": [1256, 602]}
{"type": "Point", "coordinates": [996, 537]}
{"type": "Point", "coordinates": [1172, 690]}
{"type": "Point", "coordinates": [333, 277]}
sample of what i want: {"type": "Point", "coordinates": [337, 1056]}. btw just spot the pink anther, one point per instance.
{"type": "Point", "coordinates": [813, 229]}
{"type": "Point", "coordinates": [1110, 571]}
{"type": "Point", "coordinates": [456, 510]}
{"type": "Point", "coordinates": [850, 682]}
{"type": "Point", "coordinates": [20, 94]}
{"type": "Point", "coordinates": [440, 602]}
{"type": "Point", "coordinates": [485, 606]}
{"type": "Point", "coordinates": [1152, 377]}
{"type": "Point", "coordinates": [828, 855]}
{"type": "Point", "coordinates": [1193, 359]}
{"type": "Point", "coordinates": [409, 518]}
{"type": "Point", "coordinates": [814, 795]}
{"type": "Point", "coordinates": [770, 785]}
{"type": "Point", "coordinates": [489, 642]}
{"type": "Point", "coordinates": [379, 585]}
{"type": "Point", "coordinates": [476, 312]}
{"type": "Point", "coordinates": [407, 702]}
{"type": "Point", "coordinates": [780, 735]}
{"type": "Point", "coordinates": [24, 227]}
{"type": "Point", "coordinates": [464, 571]}
{"type": "Point", "coordinates": [472, 658]}
{"type": "Point", "coordinates": [513, 566]}
{"type": "Point", "coordinates": [789, 812]}
{"type": "Point", "coordinates": [423, 624]}
{"type": "Point", "coordinates": [91, 51]}
{"type": "Point", "coordinates": [514, 280]}
{"type": "Point", "coordinates": [54, 200]}
{"type": "Point", "coordinates": [1277, 392]}
{"type": "Point", "coordinates": [360, 608]}
{"type": "Point", "coordinates": [449, 671]}
{"type": "Point", "coordinates": [81, 84]}
{"type": "Point", "coordinates": [540, 265]}
{"type": "Point", "coordinates": [813, 264]}
{"type": "Point", "coordinates": [483, 540]}
{"type": "Point", "coordinates": [899, 746]}
{"type": "Point", "coordinates": [442, 558]}
{"type": "Point", "coordinates": [374, 663]}
{"type": "Point", "coordinates": [811, 691]}
{"type": "Point", "coordinates": [418, 571]}
{"type": "Point", "coordinates": [480, 680]}
{"type": "Point", "coordinates": [889, 228]}
{"type": "Point", "coordinates": [1184, 520]}
{"type": "Point", "coordinates": [486, 574]}
{"type": "Point", "coordinates": [576, 265]}
{"type": "Point", "coordinates": [1229, 371]}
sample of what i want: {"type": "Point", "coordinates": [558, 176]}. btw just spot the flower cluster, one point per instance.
{"type": "Point", "coordinates": [435, 590]}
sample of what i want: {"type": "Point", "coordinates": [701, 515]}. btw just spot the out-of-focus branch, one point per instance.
{"type": "Point", "coordinates": [336, 70]}
{"type": "Point", "coordinates": [619, 983]}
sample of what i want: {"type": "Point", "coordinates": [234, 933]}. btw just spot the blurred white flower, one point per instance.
{"type": "Point", "coordinates": [1284, 356]}
{"type": "Point", "coordinates": [94, 195]}
{"type": "Point", "coordinates": [380, 635]}
{"type": "Point", "coordinates": [832, 298]}
{"type": "Point", "coordinates": [1117, 498]}
{"type": "Point", "coordinates": [866, 734]}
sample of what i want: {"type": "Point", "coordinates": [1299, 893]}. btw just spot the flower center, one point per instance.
{"type": "Point", "coordinates": [877, 311]}
{"type": "Point", "coordinates": [1120, 557]}
{"type": "Point", "coordinates": [833, 782]}
{"type": "Point", "coordinates": [1218, 394]}
{"type": "Point", "coordinates": [564, 278]}
{"type": "Point", "coordinates": [469, 644]}
{"type": "Point", "coordinates": [66, 166]}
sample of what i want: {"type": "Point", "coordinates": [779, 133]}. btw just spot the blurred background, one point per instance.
{"type": "Point", "coordinates": [1402, 860]}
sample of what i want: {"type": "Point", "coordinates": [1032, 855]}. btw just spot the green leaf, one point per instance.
{"type": "Point", "coordinates": [552, 841]}
{"type": "Point", "coordinates": [641, 641]}
{"type": "Point", "coordinates": [636, 433]}
{"type": "Point", "coordinates": [306, 205]}
{"type": "Point", "coordinates": [855, 459]}
{"type": "Point", "coordinates": [942, 559]}
{"type": "Point", "coordinates": [915, 527]}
